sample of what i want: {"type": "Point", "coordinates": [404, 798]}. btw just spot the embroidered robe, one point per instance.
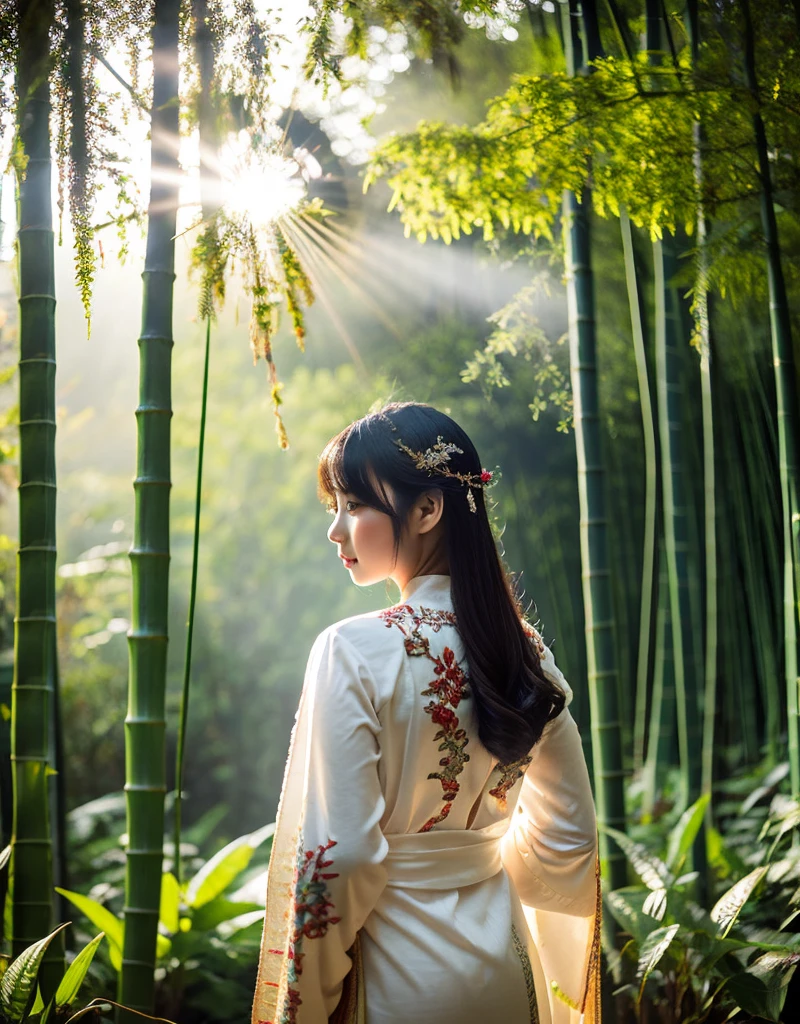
{"type": "Point", "coordinates": [413, 877]}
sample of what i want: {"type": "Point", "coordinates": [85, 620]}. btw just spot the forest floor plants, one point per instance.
{"type": "Point", "coordinates": [209, 928]}
{"type": "Point", "coordinates": [684, 964]}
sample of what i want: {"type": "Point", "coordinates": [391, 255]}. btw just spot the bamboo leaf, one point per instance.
{"type": "Point", "coordinates": [76, 972]}
{"type": "Point", "coordinates": [685, 832]}
{"type": "Point", "coordinates": [101, 917]}
{"type": "Point", "coordinates": [653, 949]}
{"type": "Point", "coordinates": [217, 874]}
{"type": "Point", "coordinates": [728, 907]}
{"type": "Point", "coordinates": [19, 980]}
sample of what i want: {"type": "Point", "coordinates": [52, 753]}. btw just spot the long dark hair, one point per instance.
{"type": "Point", "coordinates": [514, 700]}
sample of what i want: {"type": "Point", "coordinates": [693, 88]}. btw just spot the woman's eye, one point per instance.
{"type": "Point", "coordinates": [355, 504]}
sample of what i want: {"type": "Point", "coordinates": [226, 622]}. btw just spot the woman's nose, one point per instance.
{"type": "Point", "coordinates": [334, 533]}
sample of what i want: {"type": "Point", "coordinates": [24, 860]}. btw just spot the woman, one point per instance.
{"type": "Point", "coordinates": [435, 851]}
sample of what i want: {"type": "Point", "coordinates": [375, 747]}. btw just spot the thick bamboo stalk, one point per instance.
{"type": "Point", "coordinates": [35, 624]}
{"type": "Point", "coordinates": [145, 772]}
{"type": "Point", "coordinates": [787, 413]}
{"type": "Point", "coordinates": [644, 654]}
{"type": "Point", "coordinates": [606, 731]}
{"type": "Point", "coordinates": [601, 662]}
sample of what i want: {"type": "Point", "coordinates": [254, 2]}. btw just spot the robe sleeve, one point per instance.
{"type": "Point", "coordinates": [550, 852]}
{"type": "Point", "coordinates": [327, 867]}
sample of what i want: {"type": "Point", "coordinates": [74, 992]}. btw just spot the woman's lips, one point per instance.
{"type": "Point", "coordinates": [348, 562]}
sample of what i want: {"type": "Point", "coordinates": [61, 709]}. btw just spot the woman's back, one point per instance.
{"type": "Point", "coordinates": [405, 838]}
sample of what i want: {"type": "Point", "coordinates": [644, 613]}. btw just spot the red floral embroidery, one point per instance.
{"type": "Point", "coordinates": [510, 774]}
{"type": "Point", "coordinates": [449, 687]}
{"type": "Point", "coordinates": [312, 906]}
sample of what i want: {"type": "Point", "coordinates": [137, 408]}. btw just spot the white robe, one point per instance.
{"type": "Point", "coordinates": [470, 886]}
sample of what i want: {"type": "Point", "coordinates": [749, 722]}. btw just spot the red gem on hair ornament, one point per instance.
{"type": "Point", "coordinates": [433, 460]}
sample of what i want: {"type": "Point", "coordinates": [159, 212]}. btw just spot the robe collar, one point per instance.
{"type": "Point", "coordinates": [431, 590]}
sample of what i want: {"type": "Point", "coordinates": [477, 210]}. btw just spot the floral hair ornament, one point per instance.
{"type": "Point", "coordinates": [433, 460]}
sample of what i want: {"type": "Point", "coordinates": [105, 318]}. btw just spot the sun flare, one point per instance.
{"type": "Point", "coordinates": [260, 186]}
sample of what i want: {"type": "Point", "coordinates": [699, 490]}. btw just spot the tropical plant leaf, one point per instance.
{"type": "Point", "coordinates": [685, 832]}
{"type": "Point", "coordinates": [19, 980]}
{"type": "Point", "coordinates": [217, 874]}
{"type": "Point", "coordinates": [627, 908]}
{"type": "Point", "coordinates": [218, 910]}
{"type": "Point", "coordinates": [102, 918]}
{"type": "Point", "coordinates": [653, 949]}
{"type": "Point", "coordinates": [761, 989]}
{"type": "Point", "coordinates": [169, 909]}
{"type": "Point", "coordinates": [76, 972]}
{"type": "Point", "coordinates": [651, 869]}
{"type": "Point", "coordinates": [728, 907]}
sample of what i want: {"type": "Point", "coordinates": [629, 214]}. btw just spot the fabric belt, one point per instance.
{"type": "Point", "coordinates": [446, 859]}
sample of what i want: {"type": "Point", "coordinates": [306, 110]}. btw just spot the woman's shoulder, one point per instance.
{"type": "Point", "coordinates": [365, 633]}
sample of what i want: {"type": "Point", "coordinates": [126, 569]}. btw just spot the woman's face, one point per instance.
{"type": "Point", "coordinates": [364, 539]}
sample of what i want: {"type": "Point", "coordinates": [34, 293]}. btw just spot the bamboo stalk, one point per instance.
{"type": "Point", "coordinates": [145, 773]}
{"type": "Point", "coordinates": [601, 662]}
{"type": "Point", "coordinates": [709, 469]}
{"type": "Point", "coordinates": [787, 414]}
{"type": "Point", "coordinates": [187, 664]}
{"type": "Point", "coordinates": [35, 623]}
{"type": "Point", "coordinates": [675, 516]}
{"type": "Point", "coordinates": [644, 659]}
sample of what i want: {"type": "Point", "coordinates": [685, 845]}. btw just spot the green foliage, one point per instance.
{"type": "Point", "coordinates": [626, 130]}
{"type": "Point", "coordinates": [518, 332]}
{"type": "Point", "coordinates": [692, 965]}
{"type": "Point", "coordinates": [436, 25]}
{"type": "Point", "coordinates": [208, 939]}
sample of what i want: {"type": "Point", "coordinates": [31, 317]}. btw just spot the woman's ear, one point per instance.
{"type": "Point", "coordinates": [428, 510]}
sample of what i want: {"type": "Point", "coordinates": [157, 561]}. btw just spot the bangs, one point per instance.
{"type": "Point", "coordinates": [342, 469]}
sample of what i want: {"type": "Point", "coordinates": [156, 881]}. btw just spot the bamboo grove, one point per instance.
{"type": "Point", "coordinates": [668, 136]}
{"type": "Point", "coordinates": [680, 126]}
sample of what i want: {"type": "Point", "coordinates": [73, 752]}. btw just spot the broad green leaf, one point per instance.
{"type": "Point", "coordinates": [76, 972]}
{"type": "Point", "coordinates": [653, 949]}
{"type": "Point", "coordinates": [651, 869]}
{"type": "Point", "coordinates": [170, 902]}
{"type": "Point", "coordinates": [627, 908]}
{"type": "Point", "coordinates": [102, 918]}
{"type": "Point", "coordinates": [761, 988]}
{"type": "Point", "coordinates": [685, 832]}
{"type": "Point", "coordinates": [218, 910]}
{"type": "Point", "coordinates": [17, 986]}
{"type": "Point", "coordinates": [728, 907]}
{"type": "Point", "coordinates": [217, 874]}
